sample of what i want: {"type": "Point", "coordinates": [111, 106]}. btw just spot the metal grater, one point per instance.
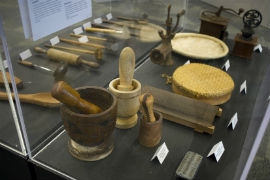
{"type": "Point", "coordinates": [188, 167]}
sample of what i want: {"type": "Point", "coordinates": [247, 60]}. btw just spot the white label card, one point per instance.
{"type": "Point", "coordinates": [217, 150]}
{"type": "Point", "coordinates": [233, 121]}
{"type": "Point", "coordinates": [54, 40]}
{"type": "Point", "coordinates": [109, 16]}
{"type": "Point", "coordinates": [98, 20]}
{"type": "Point", "coordinates": [188, 62]}
{"type": "Point", "coordinates": [25, 54]}
{"type": "Point", "coordinates": [226, 66]}
{"type": "Point", "coordinates": [87, 25]}
{"type": "Point", "coordinates": [258, 48]}
{"type": "Point", "coordinates": [243, 87]}
{"type": "Point", "coordinates": [5, 64]}
{"type": "Point", "coordinates": [83, 39]}
{"type": "Point", "coordinates": [78, 30]}
{"type": "Point", "coordinates": [161, 153]}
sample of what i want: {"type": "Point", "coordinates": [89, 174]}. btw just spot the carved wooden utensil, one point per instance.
{"type": "Point", "coordinates": [42, 99]}
{"type": "Point", "coordinates": [18, 81]}
{"type": "Point", "coordinates": [71, 98]}
{"type": "Point", "coordinates": [147, 101]}
{"type": "Point", "coordinates": [126, 69]}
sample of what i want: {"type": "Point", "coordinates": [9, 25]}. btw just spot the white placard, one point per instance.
{"type": "Point", "coordinates": [83, 39]}
{"type": "Point", "coordinates": [188, 62]}
{"type": "Point", "coordinates": [226, 66]}
{"type": "Point", "coordinates": [78, 30]}
{"type": "Point", "coordinates": [233, 121]}
{"type": "Point", "coordinates": [54, 40]}
{"type": "Point", "coordinates": [25, 54]}
{"type": "Point", "coordinates": [161, 153]}
{"type": "Point", "coordinates": [87, 25]}
{"type": "Point", "coordinates": [5, 64]}
{"type": "Point", "coordinates": [217, 150]}
{"type": "Point", "coordinates": [109, 16]}
{"type": "Point", "coordinates": [98, 21]}
{"type": "Point", "coordinates": [258, 48]}
{"type": "Point", "coordinates": [243, 87]}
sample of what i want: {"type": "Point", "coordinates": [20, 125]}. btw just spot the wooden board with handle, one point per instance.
{"type": "Point", "coordinates": [183, 110]}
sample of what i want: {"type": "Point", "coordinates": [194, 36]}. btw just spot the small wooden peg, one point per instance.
{"type": "Point", "coordinates": [147, 101]}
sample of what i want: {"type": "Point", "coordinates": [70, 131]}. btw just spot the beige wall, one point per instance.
{"type": "Point", "coordinates": [261, 5]}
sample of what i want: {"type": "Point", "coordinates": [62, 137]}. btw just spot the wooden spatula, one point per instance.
{"type": "Point", "coordinates": [42, 99]}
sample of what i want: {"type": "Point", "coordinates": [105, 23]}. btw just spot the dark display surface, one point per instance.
{"type": "Point", "coordinates": [129, 160]}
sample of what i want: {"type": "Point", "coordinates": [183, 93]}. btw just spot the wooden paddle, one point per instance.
{"type": "Point", "coordinates": [42, 99]}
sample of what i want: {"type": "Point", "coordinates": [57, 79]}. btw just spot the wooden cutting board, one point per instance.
{"type": "Point", "coordinates": [183, 110]}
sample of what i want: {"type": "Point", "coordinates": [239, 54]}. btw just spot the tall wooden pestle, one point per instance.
{"type": "Point", "coordinates": [126, 69]}
{"type": "Point", "coordinates": [147, 101]}
{"type": "Point", "coordinates": [71, 98]}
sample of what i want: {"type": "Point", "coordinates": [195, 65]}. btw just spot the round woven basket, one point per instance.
{"type": "Point", "coordinates": [203, 82]}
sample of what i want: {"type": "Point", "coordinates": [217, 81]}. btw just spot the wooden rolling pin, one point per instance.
{"type": "Point", "coordinates": [42, 99]}
{"type": "Point", "coordinates": [97, 53]}
{"type": "Point", "coordinates": [58, 55]}
{"type": "Point", "coordinates": [71, 98]}
{"type": "Point", "coordinates": [147, 101]}
{"type": "Point", "coordinates": [126, 69]}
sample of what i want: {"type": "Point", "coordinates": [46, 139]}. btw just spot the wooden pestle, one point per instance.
{"type": "Point", "coordinates": [71, 98]}
{"type": "Point", "coordinates": [58, 55]}
{"type": "Point", "coordinates": [147, 101]}
{"type": "Point", "coordinates": [126, 69]}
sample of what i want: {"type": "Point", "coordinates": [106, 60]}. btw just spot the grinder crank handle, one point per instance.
{"type": "Point", "coordinates": [70, 97]}
{"type": "Point", "coordinates": [147, 101]}
{"type": "Point", "coordinates": [126, 69]}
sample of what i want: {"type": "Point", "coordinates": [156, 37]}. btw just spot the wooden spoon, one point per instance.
{"type": "Point", "coordinates": [42, 99]}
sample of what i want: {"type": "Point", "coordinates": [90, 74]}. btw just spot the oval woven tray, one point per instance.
{"type": "Point", "coordinates": [199, 46]}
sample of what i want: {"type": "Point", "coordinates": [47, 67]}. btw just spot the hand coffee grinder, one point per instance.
{"type": "Point", "coordinates": [213, 24]}
{"type": "Point", "coordinates": [245, 42]}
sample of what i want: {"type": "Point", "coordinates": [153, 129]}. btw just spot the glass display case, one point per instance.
{"type": "Point", "coordinates": [90, 52]}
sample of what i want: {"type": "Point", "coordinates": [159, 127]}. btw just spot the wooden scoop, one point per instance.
{"type": "Point", "coordinates": [70, 97]}
{"type": "Point", "coordinates": [18, 81]}
{"type": "Point", "coordinates": [147, 101]}
{"type": "Point", "coordinates": [126, 69]}
{"type": "Point", "coordinates": [42, 99]}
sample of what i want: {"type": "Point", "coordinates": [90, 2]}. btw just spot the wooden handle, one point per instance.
{"type": "Point", "coordinates": [147, 101]}
{"type": "Point", "coordinates": [70, 97]}
{"type": "Point", "coordinates": [126, 69]}
{"type": "Point", "coordinates": [18, 82]}
{"type": "Point", "coordinates": [40, 50]}
{"type": "Point", "coordinates": [89, 37]}
{"type": "Point", "coordinates": [82, 43]}
{"type": "Point", "coordinates": [102, 30]}
{"type": "Point", "coordinates": [88, 63]}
